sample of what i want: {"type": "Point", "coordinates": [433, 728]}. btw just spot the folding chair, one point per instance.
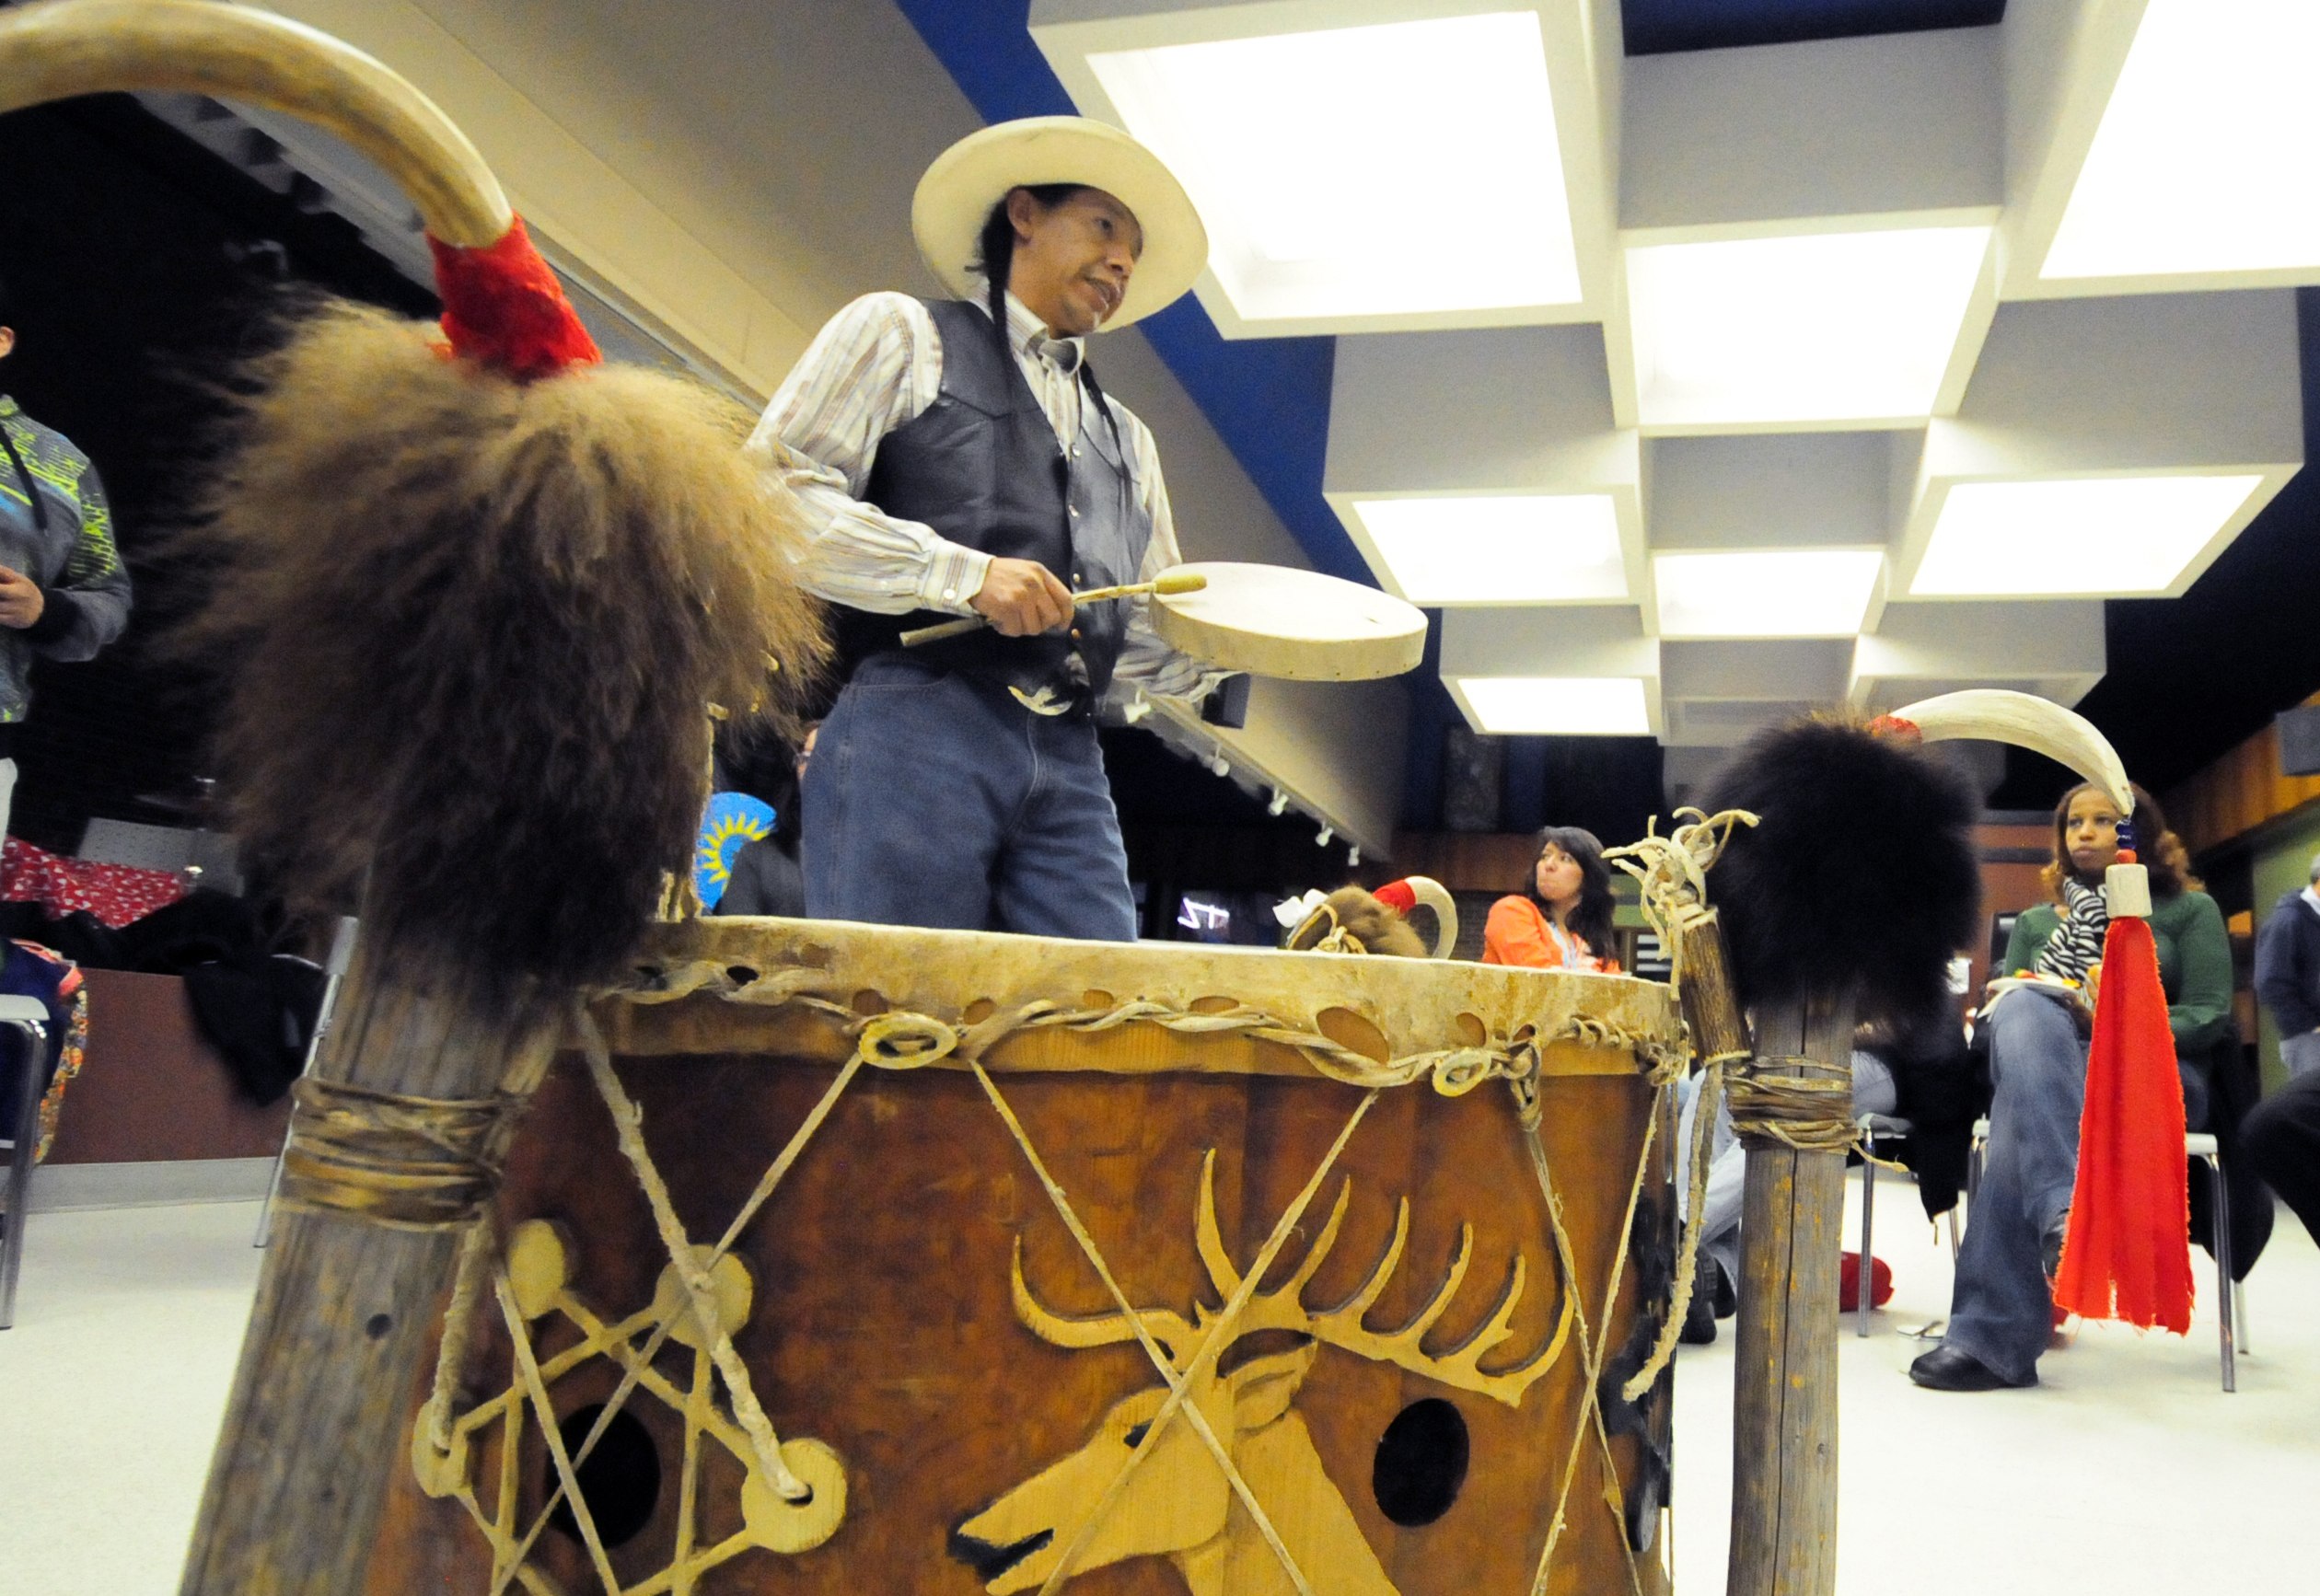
{"type": "Point", "coordinates": [1876, 1128]}
{"type": "Point", "coordinates": [2231, 1296]}
{"type": "Point", "coordinates": [334, 973]}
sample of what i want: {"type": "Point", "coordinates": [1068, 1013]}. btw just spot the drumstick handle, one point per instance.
{"type": "Point", "coordinates": [1182, 582]}
{"type": "Point", "coordinates": [942, 629]}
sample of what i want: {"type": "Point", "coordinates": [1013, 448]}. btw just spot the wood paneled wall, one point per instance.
{"type": "Point", "coordinates": [2239, 793]}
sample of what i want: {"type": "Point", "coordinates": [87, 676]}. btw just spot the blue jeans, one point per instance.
{"type": "Point", "coordinates": [1873, 1091]}
{"type": "Point", "coordinates": [936, 799]}
{"type": "Point", "coordinates": [2000, 1313]}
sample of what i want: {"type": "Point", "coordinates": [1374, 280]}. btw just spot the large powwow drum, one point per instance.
{"type": "Point", "coordinates": [1017, 1264]}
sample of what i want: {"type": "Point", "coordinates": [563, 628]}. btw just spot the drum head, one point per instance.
{"type": "Point", "coordinates": [1301, 626]}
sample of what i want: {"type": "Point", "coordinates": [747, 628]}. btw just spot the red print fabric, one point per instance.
{"type": "Point", "coordinates": [115, 894]}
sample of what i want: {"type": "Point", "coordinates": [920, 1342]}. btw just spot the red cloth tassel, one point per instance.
{"type": "Point", "coordinates": [502, 305]}
{"type": "Point", "coordinates": [2125, 1255]}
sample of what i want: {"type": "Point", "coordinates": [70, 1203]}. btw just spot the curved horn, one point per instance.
{"type": "Point", "coordinates": [73, 47]}
{"type": "Point", "coordinates": [1436, 896]}
{"type": "Point", "coordinates": [2000, 715]}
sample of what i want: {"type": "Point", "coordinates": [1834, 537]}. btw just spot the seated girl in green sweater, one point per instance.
{"type": "Point", "coordinates": [2002, 1308]}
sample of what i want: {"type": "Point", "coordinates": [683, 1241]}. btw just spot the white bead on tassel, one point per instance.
{"type": "Point", "coordinates": [2127, 885]}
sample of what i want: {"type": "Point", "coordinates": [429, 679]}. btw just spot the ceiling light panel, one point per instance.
{"type": "Point", "coordinates": [1827, 329]}
{"type": "Point", "coordinates": [2096, 537]}
{"type": "Point", "coordinates": [1556, 706]}
{"type": "Point", "coordinates": [1766, 593]}
{"type": "Point", "coordinates": [1295, 147]}
{"type": "Point", "coordinates": [2201, 163]}
{"type": "Point", "coordinates": [1496, 548]}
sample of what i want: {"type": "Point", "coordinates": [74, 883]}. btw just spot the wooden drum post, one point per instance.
{"type": "Point", "coordinates": [393, 1152]}
{"type": "Point", "coordinates": [1790, 1091]}
{"type": "Point", "coordinates": [1791, 1107]}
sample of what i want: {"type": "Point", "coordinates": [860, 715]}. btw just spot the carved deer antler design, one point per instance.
{"type": "Point", "coordinates": [1180, 1505]}
{"type": "Point", "coordinates": [1341, 1326]}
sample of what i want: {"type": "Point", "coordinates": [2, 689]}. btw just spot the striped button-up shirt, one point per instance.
{"type": "Point", "coordinates": [878, 365]}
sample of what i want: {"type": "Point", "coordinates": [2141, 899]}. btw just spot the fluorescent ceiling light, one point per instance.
{"type": "Point", "coordinates": [2203, 158]}
{"type": "Point", "coordinates": [1559, 706]}
{"type": "Point", "coordinates": [1493, 549]}
{"type": "Point", "coordinates": [1766, 593]}
{"type": "Point", "coordinates": [1828, 328]}
{"type": "Point", "coordinates": [2096, 536]}
{"type": "Point", "coordinates": [1315, 158]}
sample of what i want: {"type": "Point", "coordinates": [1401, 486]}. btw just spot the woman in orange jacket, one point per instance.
{"type": "Point", "coordinates": [1562, 918]}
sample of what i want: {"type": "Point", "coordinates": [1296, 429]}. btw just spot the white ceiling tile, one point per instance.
{"type": "Point", "coordinates": [2074, 536]}
{"type": "Point", "coordinates": [1496, 548]}
{"type": "Point", "coordinates": [2148, 387]}
{"type": "Point", "coordinates": [2200, 167]}
{"type": "Point", "coordinates": [1287, 120]}
{"type": "Point", "coordinates": [1811, 669]}
{"type": "Point", "coordinates": [1890, 124]}
{"type": "Point", "coordinates": [1554, 706]}
{"type": "Point", "coordinates": [2053, 647]}
{"type": "Point", "coordinates": [1780, 489]}
{"type": "Point", "coordinates": [1859, 327]}
{"type": "Point", "coordinates": [1767, 592]}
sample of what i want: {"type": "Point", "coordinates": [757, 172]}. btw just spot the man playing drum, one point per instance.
{"type": "Point", "coordinates": [956, 457]}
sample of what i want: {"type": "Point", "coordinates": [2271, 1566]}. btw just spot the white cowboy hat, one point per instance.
{"type": "Point", "coordinates": [955, 197]}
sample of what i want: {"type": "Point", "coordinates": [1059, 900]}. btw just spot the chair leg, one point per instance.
{"type": "Point", "coordinates": [1868, 1216]}
{"type": "Point", "coordinates": [2222, 1226]}
{"type": "Point", "coordinates": [341, 956]}
{"type": "Point", "coordinates": [26, 1132]}
{"type": "Point", "coordinates": [2239, 1317]}
{"type": "Point", "coordinates": [1952, 1217]}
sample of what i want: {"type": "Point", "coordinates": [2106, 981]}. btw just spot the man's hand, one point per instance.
{"type": "Point", "coordinates": [21, 600]}
{"type": "Point", "coordinates": [1018, 597]}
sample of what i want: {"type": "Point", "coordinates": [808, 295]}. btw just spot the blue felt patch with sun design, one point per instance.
{"type": "Point", "coordinates": [733, 820]}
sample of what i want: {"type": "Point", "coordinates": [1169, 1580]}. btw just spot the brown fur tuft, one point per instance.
{"type": "Point", "coordinates": [469, 628]}
{"type": "Point", "coordinates": [1360, 915]}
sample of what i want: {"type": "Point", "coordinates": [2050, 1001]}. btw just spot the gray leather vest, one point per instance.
{"type": "Point", "coordinates": [982, 468]}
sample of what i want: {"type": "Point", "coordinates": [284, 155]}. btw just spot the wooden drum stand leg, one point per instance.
{"type": "Point", "coordinates": [393, 1147]}
{"type": "Point", "coordinates": [1784, 1396]}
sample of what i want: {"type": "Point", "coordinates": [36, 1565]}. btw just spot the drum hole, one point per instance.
{"type": "Point", "coordinates": [1471, 1030]}
{"type": "Point", "coordinates": [620, 1480]}
{"type": "Point", "coordinates": [1348, 1029]}
{"type": "Point", "coordinates": [1422, 1463]}
{"type": "Point", "coordinates": [740, 975]}
{"type": "Point", "coordinates": [976, 1012]}
{"type": "Point", "coordinates": [869, 1000]}
{"type": "Point", "coordinates": [1096, 998]}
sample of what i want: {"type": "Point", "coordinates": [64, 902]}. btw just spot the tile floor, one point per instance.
{"type": "Point", "coordinates": [2128, 1473]}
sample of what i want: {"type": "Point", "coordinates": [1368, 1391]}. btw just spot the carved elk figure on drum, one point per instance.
{"type": "Point", "coordinates": [1180, 1506]}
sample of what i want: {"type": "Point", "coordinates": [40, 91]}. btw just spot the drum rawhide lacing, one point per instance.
{"type": "Point", "coordinates": [1672, 872]}
{"type": "Point", "coordinates": [793, 1492]}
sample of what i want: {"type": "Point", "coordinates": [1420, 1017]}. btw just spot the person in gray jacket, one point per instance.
{"type": "Point", "coordinates": [2288, 973]}
{"type": "Point", "coordinates": [64, 592]}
